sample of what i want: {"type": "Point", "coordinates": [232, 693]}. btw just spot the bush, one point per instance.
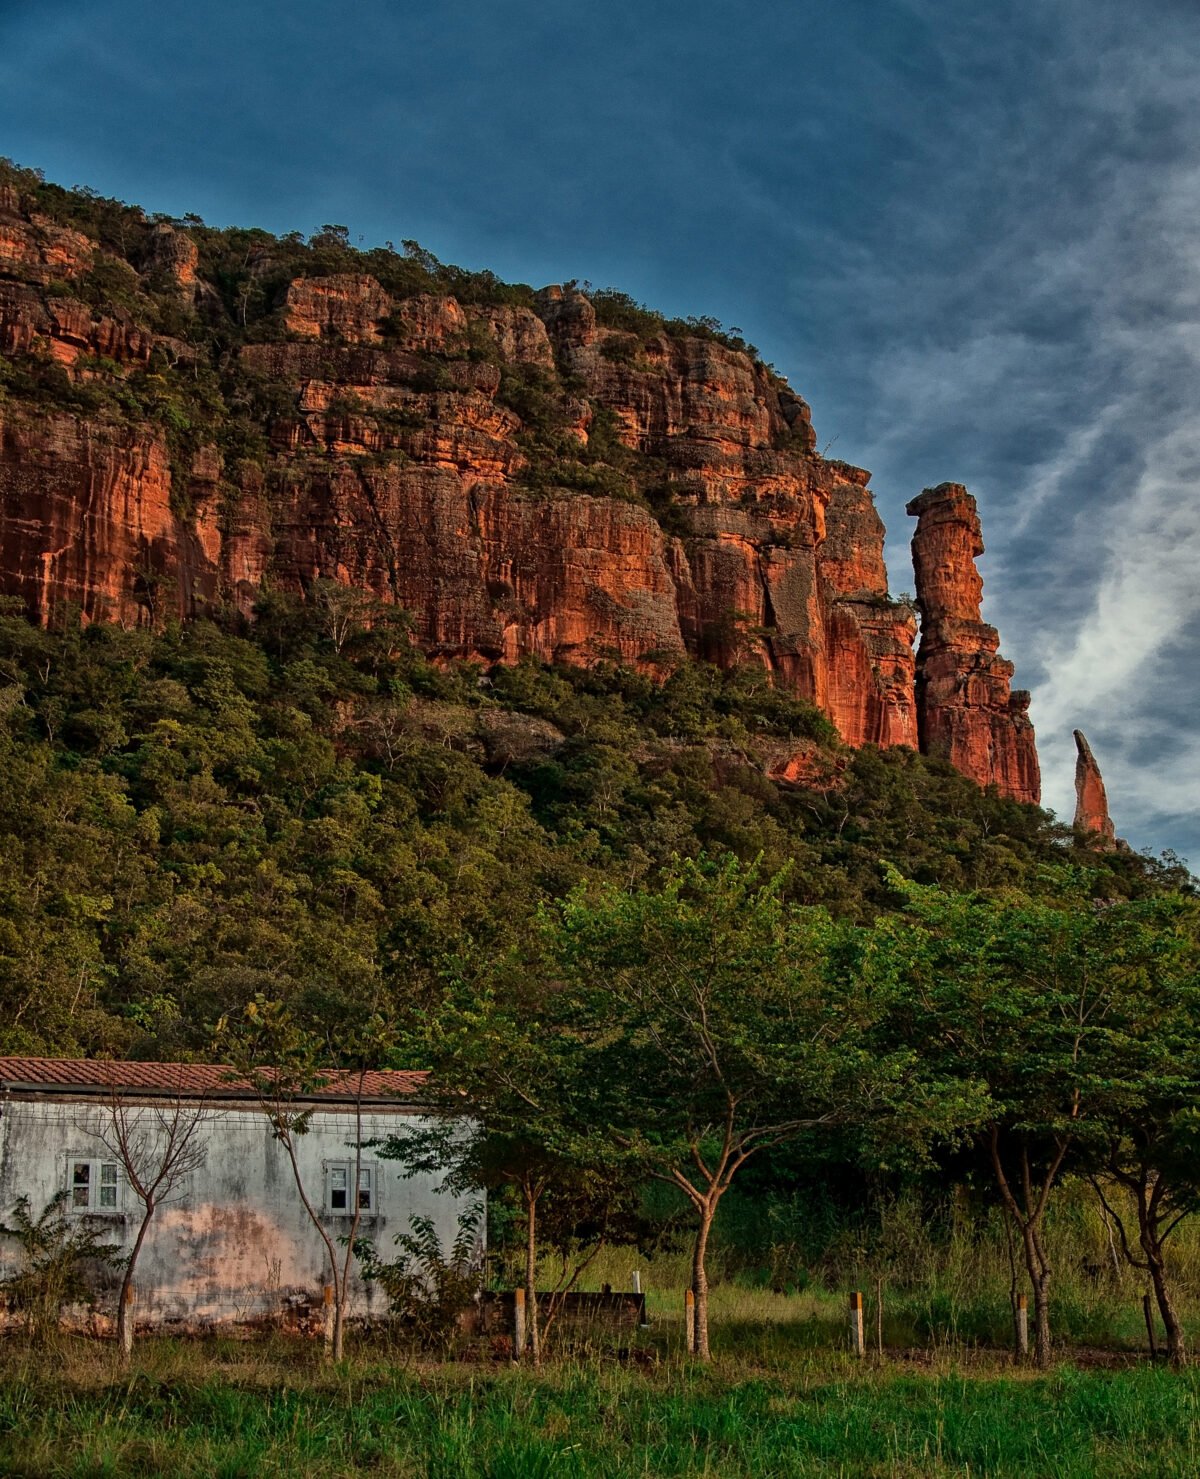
{"type": "Point", "coordinates": [61, 1259]}
{"type": "Point", "coordinates": [428, 1289]}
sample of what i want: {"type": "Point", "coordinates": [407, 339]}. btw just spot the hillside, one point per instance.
{"type": "Point", "coordinates": [412, 599]}
{"type": "Point", "coordinates": [190, 418]}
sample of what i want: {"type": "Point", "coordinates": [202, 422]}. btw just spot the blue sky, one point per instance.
{"type": "Point", "coordinates": [970, 236]}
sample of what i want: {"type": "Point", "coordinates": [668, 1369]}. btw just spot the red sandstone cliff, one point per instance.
{"type": "Point", "coordinates": [1091, 801]}
{"type": "Point", "coordinates": [520, 477]}
{"type": "Point", "coordinates": [966, 708]}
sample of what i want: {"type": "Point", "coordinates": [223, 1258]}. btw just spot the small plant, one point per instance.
{"type": "Point", "coordinates": [428, 1289]}
{"type": "Point", "coordinates": [60, 1260]}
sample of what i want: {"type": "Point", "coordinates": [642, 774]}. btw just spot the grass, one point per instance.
{"type": "Point", "coordinates": [777, 1407]}
{"type": "Point", "coordinates": [782, 1397]}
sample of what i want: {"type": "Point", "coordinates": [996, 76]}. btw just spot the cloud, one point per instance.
{"type": "Point", "coordinates": [1041, 341]}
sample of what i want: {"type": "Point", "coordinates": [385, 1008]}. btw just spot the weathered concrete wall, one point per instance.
{"type": "Point", "coordinates": [234, 1243]}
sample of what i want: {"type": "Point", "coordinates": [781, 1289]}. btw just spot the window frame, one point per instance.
{"type": "Point", "coordinates": [95, 1183]}
{"type": "Point", "coordinates": [367, 1169]}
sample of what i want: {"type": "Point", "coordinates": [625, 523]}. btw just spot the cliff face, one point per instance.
{"type": "Point", "coordinates": [1091, 800]}
{"type": "Point", "coordinates": [522, 477]}
{"type": "Point", "coordinates": [966, 707]}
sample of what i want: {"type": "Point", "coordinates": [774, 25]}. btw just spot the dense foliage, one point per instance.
{"type": "Point", "coordinates": [313, 810]}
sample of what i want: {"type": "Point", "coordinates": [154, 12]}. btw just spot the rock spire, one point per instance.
{"type": "Point", "coordinates": [1091, 801]}
{"type": "Point", "coordinates": [966, 707]}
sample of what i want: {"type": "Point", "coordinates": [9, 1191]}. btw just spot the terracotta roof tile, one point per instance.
{"type": "Point", "coordinates": [209, 1079]}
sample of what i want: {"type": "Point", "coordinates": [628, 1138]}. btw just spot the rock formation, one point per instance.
{"type": "Point", "coordinates": [520, 476]}
{"type": "Point", "coordinates": [1091, 802]}
{"type": "Point", "coordinates": [966, 707]}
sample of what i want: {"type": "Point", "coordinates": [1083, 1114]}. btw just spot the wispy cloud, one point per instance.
{"type": "Point", "coordinates": [1058, 373]}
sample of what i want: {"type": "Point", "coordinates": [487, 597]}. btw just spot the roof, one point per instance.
{"type": "Point", "coordinates": [200, 1080]}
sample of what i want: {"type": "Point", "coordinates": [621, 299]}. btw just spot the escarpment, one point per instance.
{"type": "Point", "coordinates": [190, 417]}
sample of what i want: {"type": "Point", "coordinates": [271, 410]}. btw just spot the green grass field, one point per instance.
{"type": "Point", "coordinates": [782, 1397]}
{"type": "Point", "coordinates": [774, 1406]}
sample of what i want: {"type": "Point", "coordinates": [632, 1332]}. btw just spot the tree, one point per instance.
{"type": "Point", "coordinates": [505, 1084]}
{"type": "Point", "coordinates": [714, 1024]}
{"type": "Point", "coordinates": [1019, 995]}
{"type": "Point", "coordinates": [157, 1147]}
{"type": "Point", "coordinates": [283, 1063]}
{"type": "Point", "coordinates": [1149, 1145]}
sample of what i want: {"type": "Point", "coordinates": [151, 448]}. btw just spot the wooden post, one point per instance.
{"type": "Point", "coordinates": [327, 1301]}
{"type": "Point", "coordinates": [637, 1281]}
{"type": "Point", "coordinates": [127, 1327]}
{"type": "Point", "coordinates": [689, 1320]}
{"type": "Point", "coordinates": [1022, 1325]}
{"type": "Point", "coordinates": [856, 1323]}
{"type": "Point", "coordinates": [1148, 1312]}
{"type": "Point", "coordinates": [518, 1324]}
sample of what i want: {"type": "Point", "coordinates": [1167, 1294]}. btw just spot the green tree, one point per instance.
{"type": "Point", "coordinates": [1019, 995]}
{"type": "Point", "coordinates": [714, 1025]}
{"type": "Point", "coordinates": [1148, 1144]}
{"type": "Point", "coordinates": [507, 1086]}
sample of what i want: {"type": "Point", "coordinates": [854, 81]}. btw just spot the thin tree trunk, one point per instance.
{"type": "Point", "coordinates": [342, 1302]}
{"type": "Point", "coordinates": [330, 1250]}
{"type": "Point", "coordinates": [1176, 1344]}
{"type": "Point", "coordinates": [125, 1321]}
{"type": "Point", "coordinates": [1039, 1275]}
{"type": "Point", "coordinates": [707, 1210]}
{"type": "Point", "coordinates": [1013, 1284]}
{"type": "Point", "coordinates": [1029, 1220]}
{"type": "Point", "coordinates": [531, 1301]}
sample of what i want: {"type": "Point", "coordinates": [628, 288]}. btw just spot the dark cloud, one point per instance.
{"type": "Point", "coordinates": [967, 233]}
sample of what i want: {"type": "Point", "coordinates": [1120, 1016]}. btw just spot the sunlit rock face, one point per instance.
{"type": "Point", "coordinates": [1091, 800]}
{"type": "Point", "coordinates": [966, 707]}
{"type": "Point", "coordinates": [672, 504]}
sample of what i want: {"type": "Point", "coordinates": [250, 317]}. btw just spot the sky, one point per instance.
{"type": "Point", "coordinates": [968, 235]}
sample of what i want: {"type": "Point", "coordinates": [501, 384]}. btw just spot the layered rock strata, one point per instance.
{"type": "Point", "coordinates": [967, 709]}
{"type": "Point", "coordinates": [521, 478]}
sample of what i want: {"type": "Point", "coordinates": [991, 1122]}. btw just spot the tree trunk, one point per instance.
{"type": "Point", "coordinates": [125, 1319]}
{"type": "Point", "coordinates": [1039, 1276]}
{"type": "Point", "coordinates": [1176, 1346]}
{"type": "Point", "coordinates": [700, 1278]}
{"type": "Point", "coordinates": [531, 1302]}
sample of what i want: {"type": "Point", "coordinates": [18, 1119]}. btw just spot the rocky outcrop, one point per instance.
{"type": "Point", "coordinates": [1091, 801]}
{"type": "Point", "coordinates": [346, 306]}
{"type": "Point", "coordinates": [36, 249]}
{"type": "Point", "coordinates": [521, 477]}
{"type": "Point", "coordinates": [966, 707]}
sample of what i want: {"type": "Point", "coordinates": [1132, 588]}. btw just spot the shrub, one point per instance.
{"type": "Point", "coordinates": [61, 1258]}
{"type": "Point", "coordinates": [428, 1289]}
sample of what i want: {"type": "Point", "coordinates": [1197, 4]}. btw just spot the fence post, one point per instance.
{"type": "Point", "coordinates": [1022, 1325]}
{"type": "Point", "coordinates": [518, 1324]}
{"type": "Point", "coordinates": [637, 1281]}
{"type": "Point", "coordinates": [1148, 1312]}
{"type": "Point", "coordinates": [689, 1320]}
{"type": "Point", "coordinates": [856, 1323]}
{"type": "Point", "coordinates": [327, 1316]}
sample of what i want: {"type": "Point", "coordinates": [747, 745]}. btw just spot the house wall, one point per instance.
{"type": "Point", "coordinates": [234, 1242]}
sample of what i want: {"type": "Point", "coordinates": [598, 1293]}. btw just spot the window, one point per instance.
{"type": "Point", "coordinates": [92, 1186]}
{"type": "Point", "coordinates": [339, 1178]}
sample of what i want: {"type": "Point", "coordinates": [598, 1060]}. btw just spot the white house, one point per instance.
{"type": "Point", "coordinates": [233, 1242]}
